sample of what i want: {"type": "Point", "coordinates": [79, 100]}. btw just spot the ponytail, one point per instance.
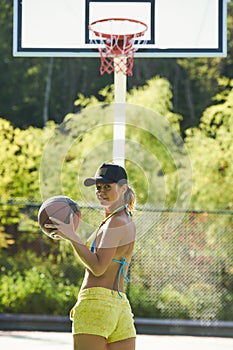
{"type": "Point", "coordinates": [130, 198]}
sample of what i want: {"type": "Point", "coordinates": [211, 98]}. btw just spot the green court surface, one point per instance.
{"type": "Point", "coordinates": [51, 340]}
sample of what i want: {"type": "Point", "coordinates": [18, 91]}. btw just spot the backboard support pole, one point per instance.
{"type": "Point", "coordinates": [120, 81]}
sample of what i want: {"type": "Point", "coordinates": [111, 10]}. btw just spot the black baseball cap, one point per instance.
{"type": "Point", "coordinates": [108, 173]}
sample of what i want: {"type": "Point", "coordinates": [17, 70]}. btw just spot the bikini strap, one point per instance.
{"type": "Point", "coordinates": [121, 271]}
{"type": "Point", "coordinates": [93, 245]}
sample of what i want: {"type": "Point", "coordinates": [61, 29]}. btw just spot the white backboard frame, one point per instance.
{"type": "Point", "coordinates": [58, 28]}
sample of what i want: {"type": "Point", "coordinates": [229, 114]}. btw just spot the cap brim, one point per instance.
{"type": "Point", "coordinates": [90, 181]}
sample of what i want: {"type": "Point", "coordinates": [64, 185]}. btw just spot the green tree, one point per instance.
{"type": "Point", "coordinates": [20, 159]}
{"type": "Point", "coordinates": [81, 135]}
{"type": "Point", "coordinates": [211, 151]}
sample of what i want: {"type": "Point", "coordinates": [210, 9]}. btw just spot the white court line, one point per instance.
{"type": "Point", "coordinates": [52, 340]}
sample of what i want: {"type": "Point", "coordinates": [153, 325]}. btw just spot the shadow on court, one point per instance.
{"type": "Point", "coordinates": [51, 340]}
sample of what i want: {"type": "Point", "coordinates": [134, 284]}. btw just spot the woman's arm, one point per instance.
{"type": "Point", "coordinates": [97, 262]}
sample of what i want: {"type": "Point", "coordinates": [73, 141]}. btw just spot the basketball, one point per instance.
{"type": "Point", "coordinates": [59, 207]}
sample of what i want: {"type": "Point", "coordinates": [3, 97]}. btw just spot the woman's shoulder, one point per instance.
{"type": "Point", "coordinates": [118, 230]}
{"type": "Point", "coordinates": [124, 226]}
{"type": "Point", "coordinates": [120, 220]}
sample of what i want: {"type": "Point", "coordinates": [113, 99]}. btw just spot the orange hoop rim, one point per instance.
{"type": "Point", "coordinates": [119, 36]}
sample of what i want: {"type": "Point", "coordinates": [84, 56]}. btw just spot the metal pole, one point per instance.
{"type": "Point", "coordinates": [119, 115]}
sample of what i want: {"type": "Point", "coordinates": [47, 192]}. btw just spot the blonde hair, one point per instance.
{"type": "Point", "coordinates": [130, 198]}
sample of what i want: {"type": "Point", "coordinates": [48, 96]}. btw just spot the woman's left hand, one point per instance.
{"type": "Point", "coordinates": [66, 231]}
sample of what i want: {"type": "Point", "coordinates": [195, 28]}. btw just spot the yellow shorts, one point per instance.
{"type": "Point", "coordinates": [101, 311]}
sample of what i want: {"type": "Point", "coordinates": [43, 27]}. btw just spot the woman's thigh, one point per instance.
{"type": "Point", "coordinates": [89, 341]}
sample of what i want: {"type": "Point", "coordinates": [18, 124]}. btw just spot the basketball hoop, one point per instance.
{"type": "Point", "coordinates": [117, 40]}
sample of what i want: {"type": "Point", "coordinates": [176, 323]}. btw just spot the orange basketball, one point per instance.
{"type": "Point", "coordinates": [59, 207]}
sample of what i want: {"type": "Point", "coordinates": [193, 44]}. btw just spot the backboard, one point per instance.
{"type": "Point", "coordinates": [176, 28]}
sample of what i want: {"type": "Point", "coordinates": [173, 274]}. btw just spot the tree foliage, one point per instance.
{"type": "Point", "coordinates": [211, 152]}
{"type": "Point", "coordinates": [68, 146]}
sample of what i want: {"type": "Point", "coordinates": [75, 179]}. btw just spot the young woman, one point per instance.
{"type": "Point", "coordinates": [102, 317]}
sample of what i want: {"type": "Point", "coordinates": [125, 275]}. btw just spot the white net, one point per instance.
{"type": "Point", "coordinates": [117, 41]}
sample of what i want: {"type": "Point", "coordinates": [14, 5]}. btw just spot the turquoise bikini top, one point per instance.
{"type": "Point", "coordinates": [122, 261]}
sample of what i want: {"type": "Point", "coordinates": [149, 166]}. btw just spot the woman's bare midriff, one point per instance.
{"type": "Point", "coordinates": [109, 279]}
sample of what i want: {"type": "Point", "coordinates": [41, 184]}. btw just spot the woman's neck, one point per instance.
{"type": "Point", "coordinates": [109, 210]}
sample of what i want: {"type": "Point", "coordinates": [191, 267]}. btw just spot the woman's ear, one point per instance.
{"type": "Point", "coordinates": [124, 188]}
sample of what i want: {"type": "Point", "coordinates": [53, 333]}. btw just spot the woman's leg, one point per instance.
{"type": "Point", "coordinates": [88, 342]}
{"type": "Point", "coordinates": [126, 344]}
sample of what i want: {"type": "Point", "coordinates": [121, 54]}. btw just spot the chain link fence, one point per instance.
{"type": "Point", "coordinates": [185, 272]}
{"type": "Point", "coordinates": [182, 266]}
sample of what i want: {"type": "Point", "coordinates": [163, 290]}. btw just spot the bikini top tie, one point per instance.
{"type": "Point", "coordinates": [121, 271]}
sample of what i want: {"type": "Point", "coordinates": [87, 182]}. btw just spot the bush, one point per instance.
{"type": "Point", "coordinates": [204, 301]}
{"type": "Point", "coordinates": [226, 312]}
{"type": "Point", "coordinates": [39, 286]}
{"type": "Point", "coordinates": [172, 304]}
{"type": "Point", "coordinates": [36, 292]}
{"type": "Point", "coordinates": [199, 301]}
{"type": "Point", "coordinates": [143, 304]}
